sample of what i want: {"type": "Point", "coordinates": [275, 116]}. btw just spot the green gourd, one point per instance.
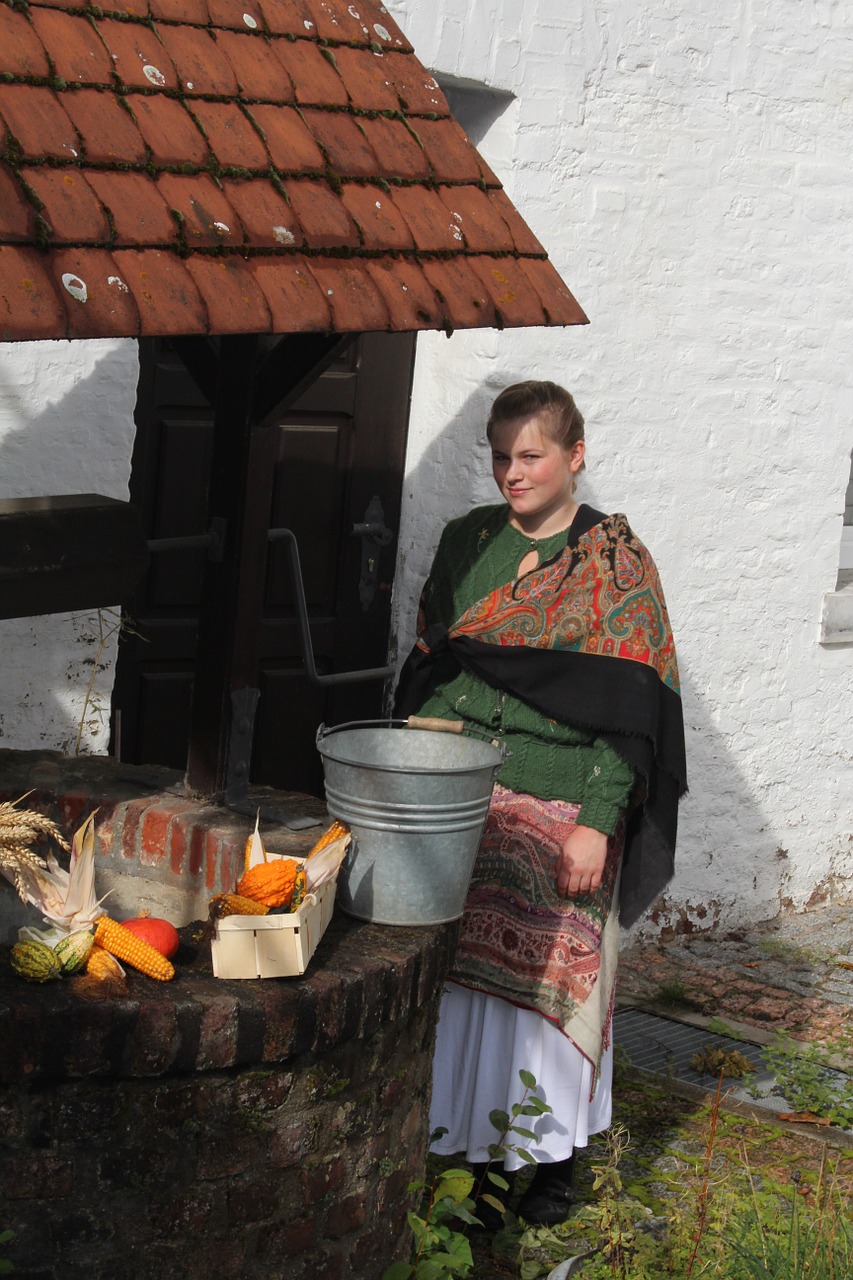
{"type": "Point", "coordinates": [35, 961]}
{"type": "Point", "coordinates": [73, 951]}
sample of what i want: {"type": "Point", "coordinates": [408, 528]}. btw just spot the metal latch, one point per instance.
{"type": "Point", "coordinates": [374, 536]}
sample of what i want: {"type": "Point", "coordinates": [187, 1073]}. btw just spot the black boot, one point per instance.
{"type": "Point", "coordinates": [550, 1196]}
{"type": "Point", "coordinates": [489, 1216]}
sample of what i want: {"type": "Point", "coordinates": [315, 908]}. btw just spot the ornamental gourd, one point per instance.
{"type": "Point", "coordinates": [35, 961]}
{"type": "Point", "coordinates": [73, 951]}
{"type": "Point", "coordinates": [158, 933]}
{"type": "Point", "coordinates": [270, 882]}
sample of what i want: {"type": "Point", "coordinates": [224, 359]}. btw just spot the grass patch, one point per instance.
{"type": "Point", "coordinates": [677, 1190]}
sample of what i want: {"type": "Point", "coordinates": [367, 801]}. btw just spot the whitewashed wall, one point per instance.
{"type": "Point", "coordinates": [688, 168]}
{"type": "Point", "coordinates": [66, 426]}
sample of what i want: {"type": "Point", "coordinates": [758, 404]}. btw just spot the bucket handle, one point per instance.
{"type": "Point", "coordinates": [435, 724]}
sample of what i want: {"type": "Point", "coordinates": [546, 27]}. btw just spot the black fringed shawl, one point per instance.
{"type": "Point", "coordinates": [585, 638]}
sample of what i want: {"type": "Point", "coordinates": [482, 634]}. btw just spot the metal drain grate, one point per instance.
{"type": "Point", "coordinates": [665, 1047]}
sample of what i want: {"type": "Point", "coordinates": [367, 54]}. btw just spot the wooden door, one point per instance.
{"type": "Point", "coordinates": [337, 450]}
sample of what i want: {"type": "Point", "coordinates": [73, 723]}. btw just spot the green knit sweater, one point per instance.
{"type": "Point", "coordinates": [551, 760]}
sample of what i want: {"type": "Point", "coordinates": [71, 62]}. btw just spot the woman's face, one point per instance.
{"type": "Point", "coordinates": [535, 474]}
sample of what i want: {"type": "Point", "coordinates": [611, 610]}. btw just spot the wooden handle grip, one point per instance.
{"type": "Point", "coordinates": [438, 726]}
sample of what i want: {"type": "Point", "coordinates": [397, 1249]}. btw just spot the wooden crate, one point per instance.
{"type": "Point", "coordinates": [272, 946]}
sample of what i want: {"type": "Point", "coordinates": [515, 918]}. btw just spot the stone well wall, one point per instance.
{"type": "Point", "coordinates": [206, 1128]}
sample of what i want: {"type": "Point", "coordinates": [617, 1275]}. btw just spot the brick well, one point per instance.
{"type": "Point", "coordinates": [204, 1128]}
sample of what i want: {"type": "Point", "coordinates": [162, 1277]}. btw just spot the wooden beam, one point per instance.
{"type": "Point", "coordinates": [200, 358]}
{"type": "Point", "coordinates": [296, 360]}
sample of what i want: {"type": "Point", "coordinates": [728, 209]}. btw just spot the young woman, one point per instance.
{"type": "Point", "coordinates": [543, 623]}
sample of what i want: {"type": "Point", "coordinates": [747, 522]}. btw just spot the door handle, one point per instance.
{"type": "Point", "coordinates": [374, 536]}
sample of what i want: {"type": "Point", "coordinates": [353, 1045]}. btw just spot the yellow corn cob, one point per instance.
{"type": "Point", "coordinates": [335, 831]}
{"type": "Point", "coordinates": [120, 942]}
{"type": "Point", "coordinates": [103, 966]}
{"type": "Point", "coordinates": [234, 904]}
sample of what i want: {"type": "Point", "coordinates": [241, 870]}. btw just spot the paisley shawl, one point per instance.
{"type": "Point", "coordinates": [585, 638]}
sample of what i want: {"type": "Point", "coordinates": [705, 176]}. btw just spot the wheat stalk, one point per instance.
{"type": "Point", "coordinates": [20, 829]}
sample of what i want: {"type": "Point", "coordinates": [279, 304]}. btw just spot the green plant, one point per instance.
{"type": "Point", "coordinates": [808, 1082]}
{"type": "Point", "coordinates": [674, 993]}
{"type": "Point", "coordinates": [5, 1265]}
{"type": "Point", "coordinates": [719, 1027]}
{"type": "Point", "coordinates": [440, 1249]}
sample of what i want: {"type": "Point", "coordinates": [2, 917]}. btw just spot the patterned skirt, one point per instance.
{"type": "Point", "coordinates": [523, 943]}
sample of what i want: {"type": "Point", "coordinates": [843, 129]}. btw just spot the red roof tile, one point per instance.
{"type": "Point", "coordinates": [342, 139]}
{"type": "Point", "coordinates": [374, 211]}
{"type": "Point", "coordinates": [482, 226]}
{"type": "Point", "coordinates": [293, 19]}
{"type": "Point", "coordinates": [383, 29]}
{"type": "Point", "coordinates": [398, 151]}
{"type": "Point", "coordinates": [76, 56]}
{"type": "Point", "coordinates": [556, 299]}
{"type": "Point", "coordinates": [337, 21]}
{"type": "Point", "coordinates": [508, 288]}
{"type": "Point", "coordinates": [297, 303]}
{"type": "Point", "coordinates": [432, 224]}
{"type": "Point", "coordinates": [522, 237]}
{"type": "Point", "coordinates": [322, 217]}
{"type": "Point", "coordinates": [29, 305]}
{"type": "Point", "coordinates": [164, 291]}
{"type": "Point", "coordinates": [71, 211]}
{"type": "Point", "coordinates": [417, 89]}
{"type": "Point", "coordinates": [95, 298]}
{"type": "Point", "coordinates": [178, 10]}
{"type": "Point", "coordinates": [232, 296]}
{"type": "Point", "coordinates": [289, 141]}
{"type": "Point", "coordinates": [466, 302]}
{"type": "Point", "coordinates": [268, 220]}
{"type": "Point", "coordinates": [23, 52]}
{"type": "Point", "coordinates": [366, 79]}
{"type": "Point", "coordinates": [231, 136]}
{"type": "Point", "coordinates": [315, 80]}
{"type": "Point", "coordinates": [106, 129]}
{"type": "Point", "coordinates": [35, 119]}
{"type": "Point", "coordinates": [406, 292]}
{"type": "Point", "coordinates": [353, 298]}
{"type": "Point", "coordinates": [138, 211]}
{"type": "Point", "coordinates": [139, 58]}
{"type": "Point", "coordinates": [259, 72]}
{"type": "Point", "coordinates": [169, 130]}
{"type": "Point", "coordinates": [245, 16]}
{"type": "Point", "coordinates": [268, 165]}
{"type": "Point", "coordinates": [17, 215]}
{"type": "Point", "coordinates": [206, 217]}
{"type": "Point", "coordinates": [448, 150]}
{"type": "Point", "coordinates": [201, 67]}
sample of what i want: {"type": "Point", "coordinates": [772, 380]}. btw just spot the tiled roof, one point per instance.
{"type": "Point", "coordinates": [217, 166]}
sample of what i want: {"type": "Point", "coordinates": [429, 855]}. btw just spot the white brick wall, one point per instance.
{"type": "Point", "coordinates": [687, 168]}
{"type": "Point", "coordinates": [66, 426]}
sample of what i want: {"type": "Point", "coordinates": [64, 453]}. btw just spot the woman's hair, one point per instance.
{"type": "Point", "coordinates": [564, 420]}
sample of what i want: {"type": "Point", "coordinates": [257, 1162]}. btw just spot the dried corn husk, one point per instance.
{"type": "Point", "coordinates": [66, 899]}
{"type": "Point", "coordinates": [322, 866]}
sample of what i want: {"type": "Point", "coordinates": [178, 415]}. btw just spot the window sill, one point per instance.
{"type": "Point", "coordinates": [836, 622]}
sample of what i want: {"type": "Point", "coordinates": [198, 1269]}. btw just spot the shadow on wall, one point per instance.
{"type": "Point", "coordinates": [66, 426]}
{"type": "Point", "coordinates": [731, 868]}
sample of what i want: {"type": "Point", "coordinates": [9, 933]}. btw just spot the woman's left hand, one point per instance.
{"type": "Point", "coordinates": [582, 861]}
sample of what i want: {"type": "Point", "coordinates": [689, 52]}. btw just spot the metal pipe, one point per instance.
{"type": "Point", "coordinates": [336, 677]}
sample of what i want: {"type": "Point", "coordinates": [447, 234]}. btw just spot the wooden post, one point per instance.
{"type": "Point", "coordinates": [232, 592]}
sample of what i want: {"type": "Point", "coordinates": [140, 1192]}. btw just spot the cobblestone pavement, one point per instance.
{"type": "Point", "coordinates": [793, 973]}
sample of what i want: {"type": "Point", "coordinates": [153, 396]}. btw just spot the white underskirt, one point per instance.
{"type": "Point", "coordinates": [481, 1044]}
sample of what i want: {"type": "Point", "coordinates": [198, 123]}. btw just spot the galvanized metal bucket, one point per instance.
{"type": "Point", "coordinates": [416, 802]}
